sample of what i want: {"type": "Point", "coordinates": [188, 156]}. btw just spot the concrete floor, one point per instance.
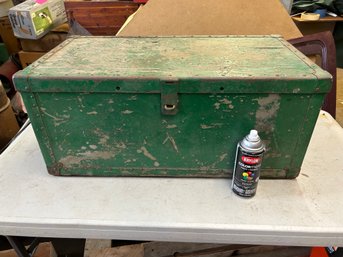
{"type": "Point", "coordinates": [339, 101]}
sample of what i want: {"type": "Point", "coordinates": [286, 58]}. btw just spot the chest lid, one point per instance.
{"type": "Point", "coordinates": [199, 64]}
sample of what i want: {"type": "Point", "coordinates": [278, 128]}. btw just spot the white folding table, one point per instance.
{"type": "Point", "coordinates": [306, 211]}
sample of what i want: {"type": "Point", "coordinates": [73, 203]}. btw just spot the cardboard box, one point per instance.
{"type": "Point", "coordinates": [4, 6]}
{"type": "Point", "coordinates": [203, 17]}
{"type": "Point", "coordinates": [32, 20]}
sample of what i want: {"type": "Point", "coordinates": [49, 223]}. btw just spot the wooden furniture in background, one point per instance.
{"type": "Point", "coordinates": [323, 24]}
{"type": "Point", "coordinates": [100, 17]}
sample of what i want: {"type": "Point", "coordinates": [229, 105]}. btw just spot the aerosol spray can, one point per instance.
{"type": "Point", "coordinates": [248, 162]}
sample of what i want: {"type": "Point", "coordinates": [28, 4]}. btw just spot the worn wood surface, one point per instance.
{"type": "Point", "coordinates": [93, 246]}
{"type": "Point", "coordinates": [172, 249]}
{"type": "Point", "coordinates": [282, 252]}
{"type": "Point", "coordinates": [203, 57]}
{"type": "Point", "coordinates": [136, 250]}
{"type": "Point", "coordinates": [159, 249]}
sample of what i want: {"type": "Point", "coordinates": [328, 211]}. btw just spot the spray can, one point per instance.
{"type": "Point", "coordinates": [246, 173]}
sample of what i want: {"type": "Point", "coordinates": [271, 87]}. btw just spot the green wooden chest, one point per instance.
{"type": "Point", "coordinates": [171, 106]}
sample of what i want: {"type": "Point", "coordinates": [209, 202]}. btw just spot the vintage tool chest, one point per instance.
{"type": "Point", "coordinates": [171, 106]}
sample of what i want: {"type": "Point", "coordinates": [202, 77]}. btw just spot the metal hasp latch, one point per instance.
{"type": "Point", "coordinates": [169, 96]}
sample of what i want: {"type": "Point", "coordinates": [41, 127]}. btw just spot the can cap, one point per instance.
{"type": "Point", "coordinates": [253, 135]}
{"type": "Point", "coordinates": [252, 142]}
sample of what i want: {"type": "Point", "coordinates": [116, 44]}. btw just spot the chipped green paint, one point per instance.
{"type": "Point", "coordinates": [99, 111]}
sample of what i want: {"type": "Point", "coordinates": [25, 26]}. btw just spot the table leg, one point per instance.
{"type": "Point", "coordinates": [18, 246]}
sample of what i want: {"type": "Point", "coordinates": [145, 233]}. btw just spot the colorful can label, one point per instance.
{"type": "Point", "coordinates": [246, 172]}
